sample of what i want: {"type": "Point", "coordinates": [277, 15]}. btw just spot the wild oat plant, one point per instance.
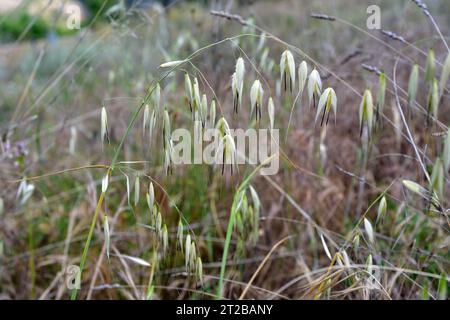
{"type": "Point", "coordinates": [357, 210]}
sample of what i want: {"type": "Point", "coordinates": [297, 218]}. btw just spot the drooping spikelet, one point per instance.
{"type": "Point", "coordinates": [104, 125]}
{"type": "Point", "coordinates": [366, 112]}
{"type": "Point", "coordinates": [271, 112]}
{"type": "Point", "coordinates": [327, 102]}
{"type": "Point", "coordinates": [314, 86]}
{"type": "Point", "coordinates": [188, 89]}
{"type": "Point", "coordinates": [302, 76]}
{"type": "Point", "coordinates": [287, 68]}
{"type": "Point", "coordinates": [237, 83]}
{"type": "Point", "coordinates": [256, 97]}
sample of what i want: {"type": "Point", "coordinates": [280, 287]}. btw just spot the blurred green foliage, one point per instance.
{"type": "Point", "coordinates": [15, 24]}
{"type": "Point", "coordinates": [94, 6]}
{"type": "Point", "coordinates": [19, 24]}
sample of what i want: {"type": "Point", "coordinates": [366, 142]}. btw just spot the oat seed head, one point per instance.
{"type": "Point", "coordinates": [271, 112]}
{"type": "Point", "coordinates": [127, 179]}
{"type": "Point", "coordinates": [204, 112]}
{"type": "Point", "coordinates": [366, 111]}
{"type": "Point", "coordinates": [199, 269]}
{"type": "Point", "coordinates": [327, 103]}
{"type": "Point", "coordinates": [433, 98]}
{"type": "Point", "coordinates": [382, 208]}
{"type": "Point", "coordinates": [170, 64]}
{"type": "Point", "coordinates": [325, 247]}
{"type": "Point", "coordinates": [369, 230]}
{"type": "Point", "coordinates": [430, 67]}
{"type": "Point", "coordinates": [136, 191]}
{"type": "Point", "coordinates": [105, 182]}
{"type": "Point", "coordinates": [412, 85]}
{"type": "Point", "coordinates": [104, 125]}
{"type": "Point", "coordinates": [157, 97]}
{"type": "Point", "coordinates": [223, 127]}
{"type": "Point", "coordinates": [146, 115]}
{"type": "Point", "coordinates": [187, 250]}
{"type": "Point", "coordinates": [212, 114]}
{"type": "Point", "coordinates": [180, 235]}
{"type": "Point", "coordinates": [314, 85]}
{"type": "Point", "coordinates": [415, 188]}
{"type": "Point", "coordinates": [287, 68]}
{"type": "Point", "coordinates": [188, 87]}
{"type": "Point", "coordinates": [192, 256]}
{"type": "Point", "coordinates": [165, 238]}
{"type": "Point", "coordinates": [240, 72]}
{"type": "Point", "coordinates": [256, 95]}
{"type": "Point", "coordinates": [302, 75]}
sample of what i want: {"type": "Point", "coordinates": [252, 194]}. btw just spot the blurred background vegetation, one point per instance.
{"type": "Point", "coordinates": [18, 15]}
{"type": "Point", "coordinates": [54, 82]}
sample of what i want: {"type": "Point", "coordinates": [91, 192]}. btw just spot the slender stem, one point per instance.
{"type": "Point", "coordinates": [231, 221]}
{"type": "Point", "coordinates": [225, 248]}
{"type": "Point", "coordinates": [31, 262]}
{"type": "Point", "coordinates": [88, 242]}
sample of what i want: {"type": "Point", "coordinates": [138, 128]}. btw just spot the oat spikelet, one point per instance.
{"type": "Point", "coordinates": [256, 97]}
